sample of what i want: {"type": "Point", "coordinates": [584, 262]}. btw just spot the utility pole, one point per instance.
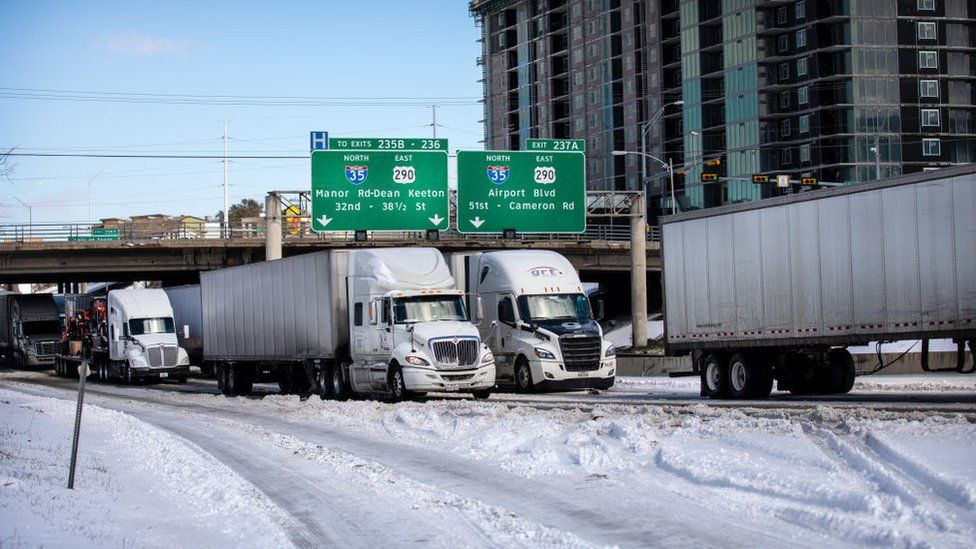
{"type": "Point", "coordinates": [877, 157]}
{"type": "Point", "coordinates": [433, 112]}
{"type": "Point", "coordinates": [226, 212]}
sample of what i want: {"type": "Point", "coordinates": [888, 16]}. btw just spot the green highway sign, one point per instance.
{"type": "Point", "coordinates": [379, 190]}
{"type": "Point", "coordinates": [558, 145]}
{"type": "Point", "coordinates": [387, 144]}
{"type": "Point", "coordinates": [531, 192]}
{"type": "Point", "coordinates": [97, 234]}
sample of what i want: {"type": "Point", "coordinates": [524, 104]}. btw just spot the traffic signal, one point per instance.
{"type": "Point", "coordinates": [760, 179]}
{"type": "Point", "coordinates": [716, 162]}
{"type": "Point", "coordinates": [808, 181]}
{"type": "Point", "coordinates": [709, 177]}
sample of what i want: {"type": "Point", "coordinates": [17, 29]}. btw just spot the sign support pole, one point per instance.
{"type": "Point", "coordinates": [82, 375]}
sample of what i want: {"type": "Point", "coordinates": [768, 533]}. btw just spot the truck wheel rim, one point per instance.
{"type": "Point", "coordinates": [397, 385]}
{"type": "Point", "coordinates": [336, 380]}
{"type": "Point", "coordinates": [711, 376]}
{"type": "Point", "coordinates": [738, 375]}
{"type": "Point", "coordinates": [523, 376]}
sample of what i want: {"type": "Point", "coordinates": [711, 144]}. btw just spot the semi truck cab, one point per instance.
{"type": "Point", "coordinates": [538, 321]}
{"type": "Point", "coordinates": [417, 329]}
{"type": "Point", "coordinates": [34, 326]}
{"type": "Point", "coordinates": [142, 337]}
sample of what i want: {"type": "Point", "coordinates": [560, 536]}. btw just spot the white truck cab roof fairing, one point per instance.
{"type": "Point", "coordinates": [142, 303]}
{"type": "Point", "coordinates": [527, 272]}
{"type": "Point", "coordinates": [402, 268]}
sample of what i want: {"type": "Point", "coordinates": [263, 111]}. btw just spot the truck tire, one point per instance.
{"type": "Point", "coordinates": [481, 394]}
{"type": "Point", "coordinates": [323, 377]}
{"type": "Point", "coordinates": [395, 385]}
{"type": "Point", "coordinates": [523, 376]}
{"type": "Point", "coordinates": [749, 377]}
{"type": "Point", "coordinates": [841, 371]}
{"type": "Point", "coordinates": [340, 385]}
{"type": "Point", "coordinates": [226, 379]}
{"type": "Point", "coordinates": [715, 377]}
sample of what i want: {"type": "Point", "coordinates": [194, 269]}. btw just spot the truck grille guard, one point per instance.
{"type": "Point", "coordinates": [46, 348]}
{"type": "Point", "coordinates": [455, 353]}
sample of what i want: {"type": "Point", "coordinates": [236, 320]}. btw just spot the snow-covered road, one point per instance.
{"type": "Point", "coordinates": [514, 473]}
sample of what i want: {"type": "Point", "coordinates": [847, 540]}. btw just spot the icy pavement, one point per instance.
{"type": "Point", "coordinates": [514, 474]}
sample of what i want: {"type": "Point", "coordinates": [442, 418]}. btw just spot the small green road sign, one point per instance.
{"type": "Point", "coordinates": [557, 145]}
{"type": "Point", "coordinates": [387, 144]}
{"type": "Point", "coordinates": [96, 234]}
{"type": "Point", "coordinates": [531, 192]}
{"type": "Point", "coordinates": [379, 190]}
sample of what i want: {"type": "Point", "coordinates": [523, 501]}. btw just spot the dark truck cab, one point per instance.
{"type": "Point", "coordinates": [30, 329]}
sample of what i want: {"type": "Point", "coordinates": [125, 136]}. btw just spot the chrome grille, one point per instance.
{"type": "Point", "coordinates": [457, 353]}
{"type": "Point", "coordinates": [46, 348]}
{"type": "Point", "coordinates": [162, 355]}
{"type": "Point", "coordinates": [580, 353]}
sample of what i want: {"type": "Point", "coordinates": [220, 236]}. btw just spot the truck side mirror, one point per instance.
{"type": "Point", "coordinates": [598, 312]}
{"type": "Point", "coordinates": [479, 309]}
{"type": "Point", "coordinates": [373, 316]}
{"type": "Point", "coordinates": [186, 331]}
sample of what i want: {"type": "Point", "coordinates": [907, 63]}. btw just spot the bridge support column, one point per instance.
{"type": "Point", "coordinates": [272, 227]}
{"type": "Point", "coordinates": [638, 273]}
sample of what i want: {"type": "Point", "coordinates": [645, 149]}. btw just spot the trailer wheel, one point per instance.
{"type": "Point", "coordinates": [340, 386]}
{"type": "Point", "coordinates": [395, 385]}
{"type": "Point", "coordinates": [749, 377]}
{"type": "Point", "coordinates": [323, 378]}
{"type": "Point", "coordinates": [715, 377]}
{"type": "Point", "coordinates": [523, 376]}
{"type": "Point", "coordinates": [841, 375]}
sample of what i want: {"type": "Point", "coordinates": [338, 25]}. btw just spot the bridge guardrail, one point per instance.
{"type": "Point", "coordinates": [62, 232]}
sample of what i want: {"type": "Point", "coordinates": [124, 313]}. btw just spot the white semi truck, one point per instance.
{"type": "Point", "coordinates": [142, 340]}
{"type": "Point", "coordinates": [379, 321]}
{"type": "Point", "coordinates": [537, 320]}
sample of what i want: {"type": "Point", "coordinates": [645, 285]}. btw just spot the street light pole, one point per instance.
{"type": "Point", "coordinates": [646, 127]}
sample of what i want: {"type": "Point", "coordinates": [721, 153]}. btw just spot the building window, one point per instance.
{"type": "Point", "coordinates": [931, 147]}
{"type": "Point", "coordinates": [930, 117]}
{"type": "Point", "coordinates": [805, 152]}
{"type": "Point", "coordinates": [926, 30]}
{"type": "Point", "coordinates": [926, 5]}
{"type": "Point", "coordinates": [784, 71]}
{"type": "Point", "coordinates": [803, 95]}
{"type": "Point", "coordinates": [805, 124]}
{"type": "Point", "coordinates": [928, 88]}
{"type": "Point", "coordinates": [801, 66]}
{"type": "Point", "coordinates": [801, 10]}
{"type": "Point", "coordinates": [784, 128]}
{"type": "Point", "coordinates": [781, 16]}
{"type": "Point", "coordinates": [928, 60]}
{"type": "Point", "coordinates": [787, 157]}
{"type": "Point", "coordinates": [801, 38]}
{"type": "Point", "coordinates": [783, 42]}
{"type": "Point", "coordinates": [784, 100]}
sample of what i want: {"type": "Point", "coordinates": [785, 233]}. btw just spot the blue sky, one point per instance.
{"type": "Point", "coordinates": [328, 49]}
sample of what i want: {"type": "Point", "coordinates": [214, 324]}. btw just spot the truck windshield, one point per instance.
{"type": "Point", "coordinates": [161, 325]}
{"type": "Point", "coordinates": [42, 327]}
{"type": "Point", "coordinates": [553, 307]}
{"type": "Point", "coordinates": [429, 308]}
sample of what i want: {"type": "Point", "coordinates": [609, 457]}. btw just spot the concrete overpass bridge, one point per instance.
{"type": "Point", "coordinates": [180, 260]}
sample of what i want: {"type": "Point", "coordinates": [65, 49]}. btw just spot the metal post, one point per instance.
{"type": "Point", "coordinates": [82, 375]}
{"type": "Point", "coordinates": [638, 273]}
{"type": "Point", "coordinates": [674, 204]}
{"type": "Point", "coordinates": [433, 124]}
{"type": "Point", "coordinates": [226, 211]}
{"type": "Point", "coordinates": [272, 227]}
{"type": "Point", "coordinates": [877, 157]}
{"type": "Point", "coordinates": [644, 153]}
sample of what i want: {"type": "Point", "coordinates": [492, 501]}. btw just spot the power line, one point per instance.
{"type": "Point", "coordinates": [177, 156]}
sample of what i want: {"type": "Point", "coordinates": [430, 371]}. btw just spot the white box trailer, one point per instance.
{"type": "Point", "coordinates": [777, 288]}
{"type": "Point", "coordinates": [289, 320]}
{"type": "Point", "coordinates": [188, 316]}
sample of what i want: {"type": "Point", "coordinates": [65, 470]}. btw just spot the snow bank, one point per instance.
{"type": "Point", "coordinates": [135, 485]}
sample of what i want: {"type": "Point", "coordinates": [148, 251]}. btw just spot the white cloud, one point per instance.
{"type": "Point", "coordinates": [133, 43]}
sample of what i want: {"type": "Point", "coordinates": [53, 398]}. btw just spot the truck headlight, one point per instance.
{"type": "Point", "coordinates": [417, 361]}
{"type": "Point", "coordinates": [488, 357]}
{"type": "Point", "coordinates": [542, 353]}
{"type": "Point", "coordinates": [611, 351]}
